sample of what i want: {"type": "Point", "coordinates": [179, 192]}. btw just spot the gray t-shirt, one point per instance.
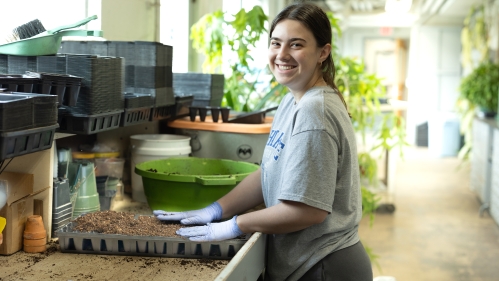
{"type": "Point", "coordinates": [311, 157]}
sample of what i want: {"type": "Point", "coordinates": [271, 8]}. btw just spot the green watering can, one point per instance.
{"type": "Point", "coordinates": [48, 42]}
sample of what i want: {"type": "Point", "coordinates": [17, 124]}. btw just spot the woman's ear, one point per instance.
{"type": "Point", "coordinates": [326, 50]}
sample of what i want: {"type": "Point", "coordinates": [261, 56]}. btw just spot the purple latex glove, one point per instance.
{"type": "Point", "coordinates": [201, 216]}
{"type": "Point", "coordinates": [212, 231]}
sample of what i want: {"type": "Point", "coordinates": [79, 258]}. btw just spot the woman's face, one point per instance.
{"type": "Point", "coordinates": [294, 57]}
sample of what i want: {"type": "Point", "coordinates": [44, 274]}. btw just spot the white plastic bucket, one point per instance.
{"type": "Point", "coordinates": [153, 147]}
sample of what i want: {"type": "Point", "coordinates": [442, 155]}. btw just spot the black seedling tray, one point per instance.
{"type": "Point", "coordinates": [16, 112]}
{"type": "Point", "coordinates": [89, 124]}
{"type": "Point", "coordinates": [133, 116]}
{"type": "Point", "coordinates": [13, 144]}
{"type": "Point", "coordinates": [162, 113]}
{"type": "Point", "coordinates": [72, 241]}
{"type": "Point", "coordinates": [19, 83]}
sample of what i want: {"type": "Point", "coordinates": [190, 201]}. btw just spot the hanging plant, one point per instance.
{"type": "Point", "coordinates": [481, 87]}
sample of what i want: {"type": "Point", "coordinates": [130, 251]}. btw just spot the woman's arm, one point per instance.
{"type": "Point", "coordinates": [246, 195]}
{"type": "Point", "coordinates": [285, 217]}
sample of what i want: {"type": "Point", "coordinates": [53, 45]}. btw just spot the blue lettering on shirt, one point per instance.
{"type": "Point", "coordinates": [275, 142]}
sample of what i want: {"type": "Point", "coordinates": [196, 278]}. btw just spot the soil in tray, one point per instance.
{"type": "Point", "coordinates": [112, 222]}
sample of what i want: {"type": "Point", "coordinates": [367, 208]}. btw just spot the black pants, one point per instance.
{"type": "Point", "coordinates": [349, 264]}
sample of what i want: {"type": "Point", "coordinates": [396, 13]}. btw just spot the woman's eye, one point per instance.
{"type": "Point", "coordinates": [295, 45]}
{"type": "Point", "coordinates": [274, 44]}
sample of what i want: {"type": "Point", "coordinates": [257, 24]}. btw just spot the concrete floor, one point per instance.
{"type": "Point", "coordinates": [436, 232]}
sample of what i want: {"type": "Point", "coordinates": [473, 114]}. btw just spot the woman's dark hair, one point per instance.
{"type": "Point", "coordinates": [315, 20]}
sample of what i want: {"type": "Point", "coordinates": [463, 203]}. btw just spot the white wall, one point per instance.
{"type": "Point", "coordinates": [130, 20]}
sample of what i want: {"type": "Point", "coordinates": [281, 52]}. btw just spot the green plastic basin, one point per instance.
{"type": "Point", "coordinates": [189, 183]}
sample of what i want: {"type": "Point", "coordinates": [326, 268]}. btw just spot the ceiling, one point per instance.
{"type": "Point", "coordinates": [372, 12]}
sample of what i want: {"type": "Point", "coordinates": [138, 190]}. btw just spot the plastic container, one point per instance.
{"type": "Point", "coordinates": [444, 137]}
{"type": "Point", "coordinates": [87, 200]}
{"type": "Point", "coordinates": [109, 172]}
{"type": "Point", "coordinates": [189, 183]}
{"type": "Point", "coordinates": [152, 147]}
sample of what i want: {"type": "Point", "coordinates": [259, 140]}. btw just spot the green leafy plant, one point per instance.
{"type": "Point", "coordinates": [474, 39]}
{"type": "Point", "coordinates": [481, 86]}
{"type": "Point", "coordinates": [232, 41]}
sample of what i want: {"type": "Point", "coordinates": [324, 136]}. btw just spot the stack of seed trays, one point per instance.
{"type": "Point", "coordinates": [153, 64]}
{"type": "Point", "coordinates": [137, 109]}
{"type": "Point", "coordinates": [207, 89]}
{"type": "Point", "coordinates": [17, 143]}
{"type": "Point", "coordinates": [134, 100]}
{"type": "Point", "coordinates": [163, 113]}
{"type": "Point", "coordinates": [16, 112]}
{"type": "Point", "coordinates": [84, 47]}
{"type": "Point", "coordinates": [182, 104]}
{"type": "Point", "coordinates": [62, 210]}
{"type": "Point", "coordinates": [126, 50]}
{"type": "Point", "coordinates": [20, 64]}
{"type": "Point", "coordinates": [101, 86]}
{"type": "Point", "coordinates": [44, 109]}
{"type": "Point", "coordinates": [84, 124]}
{"type": "Point", "coordinates": [51, 64]}
{"type": "Point", "coordinates": [65, 87]}
{"type": "Point", "coordinates": [4, 66]}
{"type": "Point", "coordinates": [19, 83]}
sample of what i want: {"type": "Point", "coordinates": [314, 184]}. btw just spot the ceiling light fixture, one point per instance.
{"type": "Point", "coordinates": [398, 6]}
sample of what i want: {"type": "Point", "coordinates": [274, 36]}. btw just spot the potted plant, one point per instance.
{"type": "Point", "coordinates": [481, 88]}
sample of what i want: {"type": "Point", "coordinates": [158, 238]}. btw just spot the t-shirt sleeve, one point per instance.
{"type": "Point", "coordinates": [311, 176]}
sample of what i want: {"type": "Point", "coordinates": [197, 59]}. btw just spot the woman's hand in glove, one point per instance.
{"type": "Point", "coordinates": [212, 231]}
{"type": "Point", "coordinates": [201, 216]}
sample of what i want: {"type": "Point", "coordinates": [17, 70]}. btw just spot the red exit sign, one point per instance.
{"type": "Point", "coordinates": [386, 31]}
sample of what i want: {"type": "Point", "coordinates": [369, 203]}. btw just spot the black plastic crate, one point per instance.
{"type": "Point", "coordinates": [133, 116]}
{"type": "Point", "coordinates": [13, 144]}
{"type": "Point", "coordinates": [89, 124]}
{"type": "Point", "coordinates": [162, 113]}
{"type": "Point", "coordinates": [44, 109]}
{"type": "Point", "coordinates": [16, 112]}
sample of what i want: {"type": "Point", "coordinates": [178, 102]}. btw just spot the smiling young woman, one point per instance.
{"type": "Point", "coordinates": [309, 177]}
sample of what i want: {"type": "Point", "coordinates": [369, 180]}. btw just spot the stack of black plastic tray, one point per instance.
{"type": "Point", "coordinates": [17, 135]}
{"type": "Point", "coordinates": [100, 102]}
{"type": "Point", "coordinates": [44, 108]}
{"type": "Point", "coordinates": [207, 89]}
{"type": "Point", "coordinates": [137, 109]}
{"type": "Point", "coordinates": [4, 65]}
{"type": "Point", "coordinates": [182, 104]}
{"type": "Point", "coordinates": [148, 68]}
{"type": "Point", "coordinates": [52, 64]}
{"type": "Point", "coordinates": [65, 87]}
{"type": "Point", "coordinates": [20, 64]}
{"type": "Point", "coordinates": [125, 50]}
{"type": "Point", "coordinates": [19, 83]}
{"type": "Point", "coordinates": [153, 74]}
{"type": "Point", "coordinates": [16, 112]}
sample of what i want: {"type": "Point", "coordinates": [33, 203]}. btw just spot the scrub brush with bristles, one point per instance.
{"type": "Point", "coordinates": [26, 30]}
